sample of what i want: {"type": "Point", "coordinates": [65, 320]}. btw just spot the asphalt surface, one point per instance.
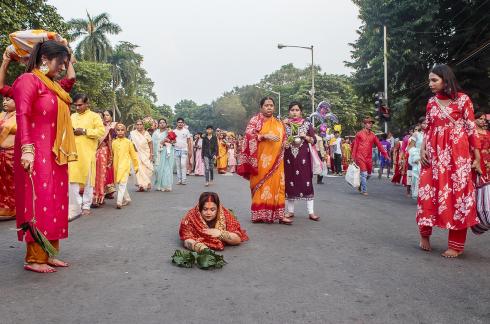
{"type": "Point", "coordinates": [359, 264]}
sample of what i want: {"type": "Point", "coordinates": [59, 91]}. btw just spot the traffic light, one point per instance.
{"type": "Point", "coordinates": [378, 101]}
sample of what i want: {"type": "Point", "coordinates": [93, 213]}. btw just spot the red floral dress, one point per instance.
{"type": "Point", "coordinates": [446, 191]}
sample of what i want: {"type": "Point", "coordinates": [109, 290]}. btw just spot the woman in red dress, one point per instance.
{"type": "Point", "coordinates": [104, 175]}
{"type": "Point", "coordinates": [397, 163]}
{"type": "Point", "coordinates": [44, 145]}
{"type": "Point", "coordinates": [449, 152]}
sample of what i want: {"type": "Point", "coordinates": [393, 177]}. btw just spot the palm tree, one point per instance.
{"type": "Point", "coordinates": [94, 45]}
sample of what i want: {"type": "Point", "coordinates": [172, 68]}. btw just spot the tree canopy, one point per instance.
{"type": "Point", "coordinates": [421, 33]}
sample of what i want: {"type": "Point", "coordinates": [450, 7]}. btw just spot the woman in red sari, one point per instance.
{"type": "Point", "coordinates": [44, 145]}
{"type": "Point", "coordinates": [397, 163]}
{"type": "Point", "coordinates": [450, 150]}
{"type": "Point", "coordinates": [8, 128]}
{"type": "Point", "coordinates": [104, 174]}
{"type": "Point", "coordinates": [209, 225]}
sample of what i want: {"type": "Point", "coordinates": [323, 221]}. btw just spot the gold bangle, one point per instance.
{"type": "Point", "coordinates": [28, 148]}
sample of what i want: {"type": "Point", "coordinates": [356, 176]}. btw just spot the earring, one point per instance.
{"type": "Point", "coordinates": [44, 68]}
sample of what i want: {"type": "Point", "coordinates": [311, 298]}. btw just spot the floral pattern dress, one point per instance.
{"type": "Point", "coordinates": [446, 191]}
{"type": "Point", "coordinates": [297, 166]}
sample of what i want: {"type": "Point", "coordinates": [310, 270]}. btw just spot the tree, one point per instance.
{"type": "Point", "coordinates": [94, 45]}
{"type": "Point", "coordinates": [230, 113]}
{"type": "Point", "coordinates": [95, 80]}
{"type": "Point", "coordinates": [27, 14]}
{"type": "Point", "coordinates": [421, 34]}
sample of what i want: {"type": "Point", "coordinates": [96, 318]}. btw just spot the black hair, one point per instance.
{"type": "Point", "coordinates": [163, 120]}
{"type": "Point", "coordinates": [208, 197]}
{"type": "Point", "coordinates": [421, 119]}
{"type": "Point", "coordinates": [50, 49]}
{"type": "Point", "coordinates": [479, 114]}
{"type": "Point", "coordinates": [384, 136]}
{"type": "Point", "coordinates": [199, 133]}
{"type": "Point", "coordinates": [263, 100]}
{"type": "Point", "coordinates": [180, 119]}
{"type": "Point", "coordinates": [109, 112]}
{"type": "Point", "coordinates": [451, 86]}
{"type": "Point", "coordinates": [336, 132]}
{"type": "Point", "coordinates": [209, 127]}
{"type": "Point", "coordinates": [296, 103]}
{"type": "Point", "coordinates": [81, 96]}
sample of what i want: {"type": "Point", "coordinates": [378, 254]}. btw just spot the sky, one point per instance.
{"type": "Point", "coordinates": [199, 49]}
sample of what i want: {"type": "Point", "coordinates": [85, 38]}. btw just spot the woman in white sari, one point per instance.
{"type": "Point", "coordinates": [144, 146]}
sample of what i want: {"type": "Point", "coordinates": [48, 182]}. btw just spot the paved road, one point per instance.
{"type": "Point", "coordinates": [359, 264]}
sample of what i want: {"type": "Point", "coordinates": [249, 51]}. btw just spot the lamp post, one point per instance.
{"type": "Point", "coordinates": [312, 91]}
{"type": "Point", "coordinates": [276, 93]}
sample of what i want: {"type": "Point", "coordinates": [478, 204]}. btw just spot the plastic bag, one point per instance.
{"type": "Point", "coordinates": [353, 175]}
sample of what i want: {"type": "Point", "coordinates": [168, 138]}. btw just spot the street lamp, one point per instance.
{"type": "Point", "coordinates": [312, 91]}
{"type": "Point", "coordinates": [276, 93]}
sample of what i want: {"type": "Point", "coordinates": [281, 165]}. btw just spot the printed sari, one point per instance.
{"type": "Point", "coordinates": [192, 226]}
{"type": "Point", "coordinates": [104, 173]}
{"type": "Point", "coordinates": [142, 143]}
{"type": "Point", "coordinates": [262, 163]}
{"type": "Point", "coordinates": [8, 128]}
{"type": "Point", "coordinates": [164, 161]}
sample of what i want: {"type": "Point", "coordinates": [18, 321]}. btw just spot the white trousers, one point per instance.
{"type": "Point", "coordinates": [76, 202]}
{"type": "Point", "coordinates": [309, 206]}
{"type": "Point", "coordinates": [122, 193]}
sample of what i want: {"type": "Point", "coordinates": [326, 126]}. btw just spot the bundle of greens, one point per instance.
{"type": "Point", "coordinates": [206, 259]}
{"type": "Point", "coordinates": [294, 131]}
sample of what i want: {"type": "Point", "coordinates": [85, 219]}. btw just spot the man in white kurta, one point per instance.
{"type": "Point", "coordinates": [88, 128]}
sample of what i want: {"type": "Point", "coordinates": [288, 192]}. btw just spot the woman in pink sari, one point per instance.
{"type": "Point", "coordinates": [44, 145]}
{"type": "Point", "coordinates": [198, 160]}
{"type": "Point", "coordinates": [104, 174]}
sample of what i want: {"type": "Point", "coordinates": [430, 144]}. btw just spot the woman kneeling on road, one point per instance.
{"type": "Point", "coordinates": [210, 226]}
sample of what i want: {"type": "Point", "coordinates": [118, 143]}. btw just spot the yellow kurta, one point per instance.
{"type": "Point", "coordinates": [86, 146]}
{"type": "Point", "coordinates": [123, 154]}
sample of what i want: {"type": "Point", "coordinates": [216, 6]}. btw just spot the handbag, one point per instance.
{"type": "Point", "coordinates": [482, 207]}
{"type": "Point", "coordinates": [353, 175]}
{"type": "Point", "coordinates": [316, 162]}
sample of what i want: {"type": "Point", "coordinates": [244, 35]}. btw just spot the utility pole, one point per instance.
{"type": "Point", "coordinates": [312, 86]}
{"type": "Point", "coordinates": [385, 54]}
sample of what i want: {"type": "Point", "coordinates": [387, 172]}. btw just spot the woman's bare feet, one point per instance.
{"type": "Point", "coordinates": [450, 254]}
{"type": "Point", "coordinates": [314, 217]}
{"type": "Point", "coordinates": [57, 263]}
{"type": "Point", "coordinates": [425, 243]}
{"type": "Point", "coordinates": [39, 268]}
{"type": "Point", "coordinates": [286, 221]}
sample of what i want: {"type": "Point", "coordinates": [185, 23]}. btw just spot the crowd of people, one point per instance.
{"type": "Point", "coordinates": [65, 165]}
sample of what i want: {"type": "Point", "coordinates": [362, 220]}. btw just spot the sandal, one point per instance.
{"type": "Point", "coordinates": [286, 221]}
{"type": "Point", "coordinates": [314, 217]}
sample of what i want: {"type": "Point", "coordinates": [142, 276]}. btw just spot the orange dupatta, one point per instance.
{"type": "Point", "coordinates": [64, 146]}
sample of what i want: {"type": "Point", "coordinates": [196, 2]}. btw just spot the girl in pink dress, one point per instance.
{"type": "Point", "coordinates": [43, 147]}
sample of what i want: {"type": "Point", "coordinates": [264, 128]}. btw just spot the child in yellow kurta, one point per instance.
{"type": "Point", "coordinates": [123, 155]}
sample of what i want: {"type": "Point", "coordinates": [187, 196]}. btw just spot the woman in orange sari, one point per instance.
{"type": "Point", "coordinates": [222, 158]}
{"type": "Point", "coordinates": [261, 162]}
{"type": "Point", "coordinates": [209, 225]}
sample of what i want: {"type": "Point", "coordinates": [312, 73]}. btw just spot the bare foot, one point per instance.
{"type": "Point", "coordinates": [39, 268]}
{"type": "Point", "coordinates": [314, 217]}
{"type": "Point", "coordinates": [425, 243]}
{"type": "Point", "coordinates": [364, 193]}
{"type": "Point", "coordinates": [57, 263]}
{"type": "Point", "coordinates": [450, 253]}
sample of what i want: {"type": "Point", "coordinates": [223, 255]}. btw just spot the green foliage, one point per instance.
{"type": "Point", "coordinates": [94, 45]}
{"type": "Point", "coordinates": [421, 33]}
{"type": "Point", "coordinates": [27, 14]}
{"type": "Point", "coordinates": [94, 79]}
{"type": "Point", "coordinates": [205, 260]}
{"type": "Point", "coordinates": [230, 113]}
